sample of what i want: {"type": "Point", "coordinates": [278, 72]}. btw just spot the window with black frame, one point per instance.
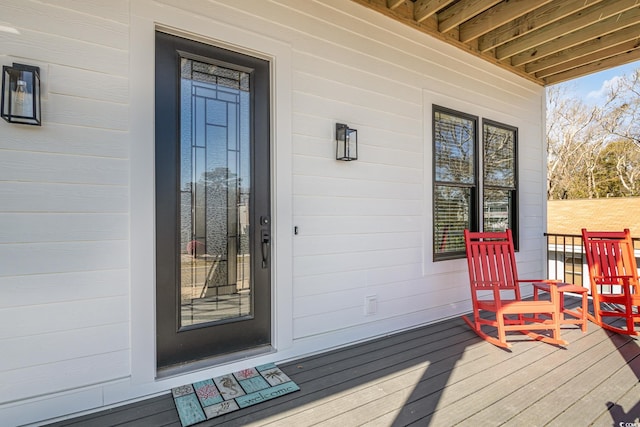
{"type": "Point", "coordinates": [499, 178]}
{"type": "Point", "coordinates": [455, 181]}
{"type": "Point", "coordinates": [456, 184]}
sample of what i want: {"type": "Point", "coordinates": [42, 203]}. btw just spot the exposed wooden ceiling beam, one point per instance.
{"type": "Point", "coordinates": [590, 63]}
{"type": "Point", "coordinates": [588, 48]}
{"type": "Point", "coordinates": [612, 51]}
{"type": "Point", "coordinates": [392, 4]}
{"type": "Point", "coordinates": [543, 41]}
{"type": "Point", "coordinates": [567, 25]}
{"type": "Point", "coordinates": [575, 38]}
{"type": "Point", "coordinates": [462, 11]}
{"type": "Point", "coordinates": [614, 61]}
{"type": "Point", "coordinates": [424, 9]}
{"type": "Point", "coordinates": [532, 21]}
{"type": "Point", "coordinates": [502, 14]}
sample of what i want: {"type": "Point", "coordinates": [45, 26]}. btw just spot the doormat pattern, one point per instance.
{"type": "Point", "coordinates": [211, 398]}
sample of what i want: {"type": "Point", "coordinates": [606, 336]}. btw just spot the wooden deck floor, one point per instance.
{"type": "Point", "coordinates": [439, 375]}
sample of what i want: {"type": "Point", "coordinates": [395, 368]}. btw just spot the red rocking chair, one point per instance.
{"type": "Point", "coordinates": [614, 279]}
{"type": "Point", "coordinates": [495, 288]}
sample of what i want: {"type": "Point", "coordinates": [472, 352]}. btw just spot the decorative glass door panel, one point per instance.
{"type": "Point", "coordinates": [215, 193]}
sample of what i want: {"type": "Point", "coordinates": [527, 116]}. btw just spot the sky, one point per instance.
{"type": "Point", "coordinates": [592, 87]}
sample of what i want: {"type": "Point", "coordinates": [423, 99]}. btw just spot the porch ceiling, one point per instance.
{"type": "Point", "coordinates": [546, 41]}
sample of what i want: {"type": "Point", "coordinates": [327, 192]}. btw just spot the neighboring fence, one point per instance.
{"type": "Point", "coordinates": [566, 261]}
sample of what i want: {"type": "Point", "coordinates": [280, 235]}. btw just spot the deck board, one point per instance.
{"type": "Point", "coordinates": [615, 387]}
{"type": "Point", "coordinates": [128, 414]}
{"type": "Point", "coordinates": [626, 409]}
{"type": "Point", "coordinates": [438, 375]}
{"type": "Point", "coordinates": [553, 378]}
{"type": "Point", "coordinates": [572, 393]}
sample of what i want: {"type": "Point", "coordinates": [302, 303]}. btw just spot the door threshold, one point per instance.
{"type": "Point", "coordinates": [200, 365]}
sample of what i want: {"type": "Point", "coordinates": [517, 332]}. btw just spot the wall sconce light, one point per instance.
{"type": "Point", "coordinates": [346, 143]}
{"type": "Point", "coordinates": [21, 94]}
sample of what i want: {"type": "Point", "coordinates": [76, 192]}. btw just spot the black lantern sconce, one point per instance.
{"type": "Point", "coordinates": [21, 94]}
{"type": "Point", "coordinates": [346, 143]}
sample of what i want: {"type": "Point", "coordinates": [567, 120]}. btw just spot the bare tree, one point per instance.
{"type": "Point", "coordinates": [594, 151]}
{"type": "Point", "coordinates": [572, 142]}
{"type": "Point", "coordinates": [620, 114]}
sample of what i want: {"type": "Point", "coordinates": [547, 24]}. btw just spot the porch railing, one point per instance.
{"type": "Point", "coordinates": [566, 260]}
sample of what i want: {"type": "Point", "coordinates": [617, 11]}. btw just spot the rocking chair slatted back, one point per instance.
{"type": "Point", "coordinates": [613, 274]}
{"type": "Point", "coordinates": [610, 257]}
{"type": "Point", "coordinates": [491, 262]}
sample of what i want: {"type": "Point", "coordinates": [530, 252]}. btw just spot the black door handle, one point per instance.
{"type": "Point", "coordinates": [265, 240]}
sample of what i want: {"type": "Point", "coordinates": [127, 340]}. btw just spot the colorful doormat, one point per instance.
{"type": "Point", "coordinates": [211, 398]}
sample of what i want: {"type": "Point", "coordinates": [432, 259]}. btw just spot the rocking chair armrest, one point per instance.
{"type": "Point", "coordinates": [540, 281]}
{"type": "Point", "coordinates": [553, 284]}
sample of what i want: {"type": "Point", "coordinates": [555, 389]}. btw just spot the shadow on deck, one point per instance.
{"type": "Point", "coordinates": [439, 375]}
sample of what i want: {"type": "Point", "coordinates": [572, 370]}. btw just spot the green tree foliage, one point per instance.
{"type": "Point", "coordinates": [594, 150]}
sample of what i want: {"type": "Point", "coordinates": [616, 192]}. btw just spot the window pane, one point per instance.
{"type": "Point", "coordinates": [451, 217]}
{"type": "Point", "coordinates": [454, 139]}
{"type": "Point", "coordinates": [497, 205]}
{"type": "Point", "coordinates": [499, 156]}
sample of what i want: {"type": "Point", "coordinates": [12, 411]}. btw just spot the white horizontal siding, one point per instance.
{"type": "Point", "coordinates": [317, 245]}
{"type": "Point", "coordinates": [70, 23]}
{"type": "Point", "coordinates": [371, 77]}
{"type": "Point", "coordinates": [86, 112]}
{"type": "Point", "coordinates": [83, 286]}
{"type": "Point", "coordinates": [64, 216]}
{"type": "Point", "coordinates": [335, 186]}
{"type": "Point", "coordinates": [322, 131]}
{"type": "Point", "coordinates": [64, 227]}
{"type": "Point", "coordinates": [23, 322]}
{"type": "Point", "coordinates": [355, 111]}
{"type": "Point", "coordinates": [330, 283]}
{"type": "Point", "coordinates": [322, 225]}
{"type": "Point", "coordinates": [94, 85]}
{"type": "Point", "coordinates": [62, 257]}
{"type": "Point", "coordinates": [338, 260]}
{"type": "Point", "coordinates": [66, 139]}
{"type": "Point", "coordinates": [27, 166]}
{"type": "Point", "coordinates": [377, 99]}
{"type": "Point", "coordinates": [383, 172]}
{"type": "Point", "coordinates": [113, 10]}
{"type": "Point", "coordinates": [399, 290]}
{"type": "Point", "coordinates": [355, 206]}
{"type": "Point", "coordinates": [23, 352]}
{"type": "Point", "coordinates": [391, 154]}
{"type": "Point", "coordinates": [53, 405]}
{"type": "Point", "coordinates": [49, 48]}
{"type": "Point", "coordinates": [46, 197]}
{"type": "Point", "coordinates": [42, 380]}
{"type": "Point", "coordinates": [395, 299]}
